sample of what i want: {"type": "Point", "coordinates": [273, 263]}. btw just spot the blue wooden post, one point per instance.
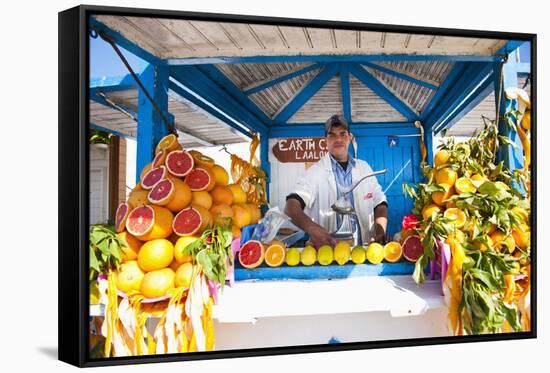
{"type": "Point", "coordinates": [151, 128]}
{"type": "Point", "coordinates": [264, 157]}
{"type": "Point", "coordinates": [513, 158]}
{"type": "Point", "coordinates": [429, 142]}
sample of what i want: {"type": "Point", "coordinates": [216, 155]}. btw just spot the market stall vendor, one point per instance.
{"type": "Point", "coordinates": [309, 206]}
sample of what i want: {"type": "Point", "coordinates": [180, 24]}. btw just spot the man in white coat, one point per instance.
{"type": "Point", "coordinates": [309, 206]}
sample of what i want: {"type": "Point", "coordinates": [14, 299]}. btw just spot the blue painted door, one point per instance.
{"type": "Point", "coordinates": [401, 157]}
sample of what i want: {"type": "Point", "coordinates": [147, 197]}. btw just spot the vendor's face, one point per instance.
{"type": "Point", "coordinates": [338, 140]}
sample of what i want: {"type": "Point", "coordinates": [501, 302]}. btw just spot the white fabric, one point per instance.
{"type": "Point", "coordinates": [318, 190]}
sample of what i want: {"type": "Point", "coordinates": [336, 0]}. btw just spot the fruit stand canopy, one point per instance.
{"type": "Point", "coordinates": [227, 79]}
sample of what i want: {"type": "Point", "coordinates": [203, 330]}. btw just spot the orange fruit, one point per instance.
{"type": "Point", "coordinates": [235, 231]}
{"type": "Point", "coordinates": [241, 215]}
{"type": "Point", "coordinates": [130, 252]}
{"type": "Point", "coordinates": [500, 241]}
{"type": "Point", "coordinates": [239, 196]}
{"type": "Point", "coordinates": [221, 175]}
{"type": "Point", "coordinates": [183, 275]}
{"type": "Point", "coordinates": [481, 246]}
{"type": "Point", "coordinates": [202, 160]}
{"type": "Point", "coordinates": [457, 216]}
{"type": "Point", "coordinates": [155, 254]}
{"type": "Point", "coordinates": [221, 195]}
{"type": "Point", "coordinates": [202, 198]}
{"type": "Point", "coordinates": [129, 276]}
{"type": "Point", "coordinates": [429, 210]}
{"type": "Point", "coordinates": [522, 236]}
{"type": "Point", "coordinates": [162, 225]}
{"type": "Point", "coordinates": [446, 176]}
{"type": "Point", "coordinates": [182, 196]}
{"type": "Point", "coordinates": [144, 171]}
{"type": "Point", "coordinates": [180, 245]}
{"type": "Point", "coordinates": [221, 213]}
{"type": "Point", "coordinates": [393, 252]}
{"type": "Point", "coordinates": [464, 185]}
{"type": "Point", "coordinates": [156, 283]}
{"type": "Point", "coordinates": [441, 157]}
{"type": "Point", "coordinates": [168, 142]}
{"type": "Point", "coordinates": [440, 197]}
{"type": "Point", "coordinates": [138, 197]}
{"type": "Point", "coordinates": [255, 213]}
{"type": "Point", "coordinates": [275, 254]}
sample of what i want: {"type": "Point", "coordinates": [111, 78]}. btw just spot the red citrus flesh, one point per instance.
{"type": "Point", "coordinates": [159, 158]}
{"type": "Point", "coordinates": [162, 193]}
{"type": "Point", "coordinates": [198, 179]}
{"type": "Point", "coordinates": [121, 215]}
{"type": "Point", "coordinates": [251, 254]}
{"type": "Point", "coordinates": [179, 163]}
{"type": "Point", "coordinates": [412, 248]}
{"type": "Point", "coordinates": [152, 177]}
{"type": "Point", "coordinates": [187, 222]}
{"type": "Point", "coordinates": [140, 220]}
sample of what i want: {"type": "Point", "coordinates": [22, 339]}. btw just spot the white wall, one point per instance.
{"type": "Point", "coordinates": [99, 183]}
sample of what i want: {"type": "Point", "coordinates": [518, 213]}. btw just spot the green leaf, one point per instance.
{"type": "Point", "coordinates": [485, 278]}
{"type": "Point", "coordinates": [94, 263]}
{"type": "Point", "coordinates": [418, 274]}
{"type": "Point", "coordinates": [511, 315]}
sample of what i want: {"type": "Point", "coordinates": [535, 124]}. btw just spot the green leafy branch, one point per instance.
{"type": "Point", "coordinates": [105, 249]}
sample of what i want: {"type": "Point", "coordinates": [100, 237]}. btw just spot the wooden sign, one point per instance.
{"type": "Point", "coordinates": [300, 150]}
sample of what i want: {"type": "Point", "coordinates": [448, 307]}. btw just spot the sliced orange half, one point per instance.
{"type": "Point", "coordinates": [275, 255]}
{"type": "Point", "coordinates": [457, 216]}
{"type": "Point", "coordinates": [393, 252]}
{"type": "Point", "coordinates": [464, 185]}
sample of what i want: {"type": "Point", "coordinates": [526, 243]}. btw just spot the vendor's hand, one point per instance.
{"type": "Point", "coordinates": [379, 235]}
{"type": "Point", "coordinates": [319, 236]}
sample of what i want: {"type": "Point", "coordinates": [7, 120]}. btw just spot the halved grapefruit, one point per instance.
{"type": "Point", "coordinates": [191, 221]}
{"type": "Point", "coordinates": [179, 163]}
{"type": "Point", "coordinates": [121, 214]}
{"type": "Point", "coordinates": [251, 254]}
{"type": "Point", "coordinates": [152, 177]}
{"type": "Point", "coordinates": [160, 158]}
{"type": "Point", "coordinates": [200, 179]}
{"type": "Point", "coordinates": [412, 248]}
{"type": "Point", "coordinates": [149, 222]}
{"type": "Point", "coordinates": [162, 193]}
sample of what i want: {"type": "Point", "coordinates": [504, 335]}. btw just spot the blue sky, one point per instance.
{"type": "Point", "coordinates": [105, 62]}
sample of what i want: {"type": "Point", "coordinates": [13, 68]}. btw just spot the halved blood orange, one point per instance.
{"type": "Point", "coordinates": [200, 179]}
{"type": "Point", "coordinates": [162, 193]}
{"type": "Point", "coordinates": [160, 158]}
{"type": "Point", "coordinates": [275, 255]}
{"type": "Point", "coordinates": [151, 178]}
{"type": "Point", "coordinates": [412, 248]}
{"type": "Point", "coordinates": [121, 214]}
{"type": "Point", "coordinates": [191, 221]}
{"type": "Point", "coordinates": [179, 163]}
{"type": "Point", "coordinates": [251, 254]}
{"type": "Point", "coordinates": [149, 222]}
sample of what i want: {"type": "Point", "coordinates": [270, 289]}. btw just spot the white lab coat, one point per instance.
{"type": "Point", "coordinates": [318, 190]}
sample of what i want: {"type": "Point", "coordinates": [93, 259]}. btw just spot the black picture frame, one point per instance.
{"type": "Point", "coordinates": [73, 181]}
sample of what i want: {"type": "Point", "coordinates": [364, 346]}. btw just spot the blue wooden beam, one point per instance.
{"type": "Point", "coordinates": [112, 84]}
{"type": "Point", "coordinates": [317, 130]}
{"type": "Point", "coordinates": [360, 58]}
{"type": "Point", "coordinates": [381, 90]}
{"type": "Point", "coordinates": [400, 75]}
{"type": "Point", "coordinates": [151, 127]}
{"type": "Point", "coordinates": [113, 105]}
{"type": "Point", "coordinates": [468, 81]}
{"type": "Point", "coordinates": [193, 78]}
{"type": "Point", "coordinates": [306, 93]}
{"type": "Point", "coordinates": [187, 94]}
{"type": "Point", "coordinates": [451, 79]}
{"type": "Point", "coordinates": [346, 92]}
{"type": "Point", "coordinates": [271, 82]}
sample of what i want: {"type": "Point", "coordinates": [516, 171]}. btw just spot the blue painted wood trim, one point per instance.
{"type": "Point", "coordinates": [474, 75]}
{"type": "Point", "coordinates": [126, 44]}
{"type": "Point", "coordinates": [108, 130]}
{"type": "Point", "coordinates": [102, 101]}
{"type": "Point", "coordinates": [150, 127]}
{"type": "Point", "coordinates": [374, 84]}
{"type": "Point", "coordinates": [198, 82]}
{"type": "Point", "coordinates": [283, 78]}
{"type": "Point", "coordinates": [317, 271]}
{"type": "Point", "coordinates": [112, 84]}
{"type": "Point", "coordinates": [451, 79]}
{"type": "Point", "coordinates": [352, 126]}
{"type": "Point", "coordinates": [357, 130]}
{"type": "Point", "coordinates": [306, 93]}
{"type": "Point", "coordinates": [361, 58]}
{"type": "Point", "coordinates": [346, 92]}
{"type": "Point", "coordinates": [219, 78]}
{"type": "Point", "coordinates": [209, 108]}
{"type": "Point", "coordinates": [429, 142]}
{"type": "Point", "coordinates": [400, 75]}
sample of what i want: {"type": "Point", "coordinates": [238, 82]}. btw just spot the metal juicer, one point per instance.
{"type": "Point", "coordinates": [347, 231]}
